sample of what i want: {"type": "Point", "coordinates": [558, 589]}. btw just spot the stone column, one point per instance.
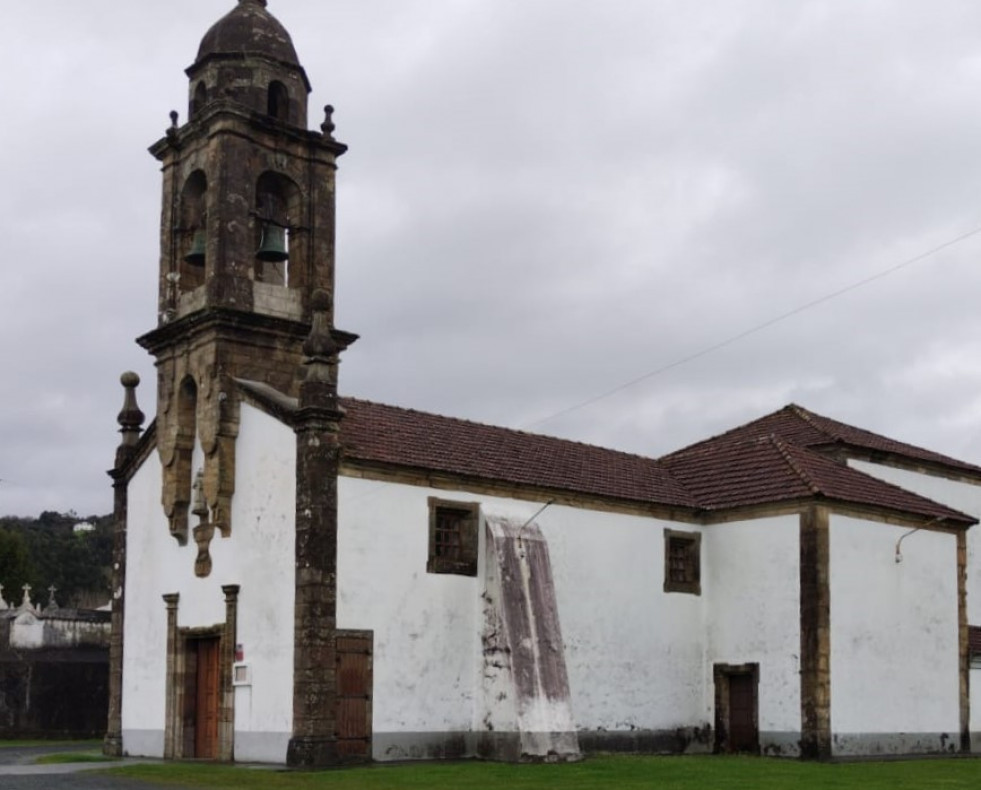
{"type": "Point", "coordinates": [317, 425]}
{"type": "Point", "coordinates": [131, 421]}
{"type": "Point", "coordinates": [815, 635]}
{"type": "Point", "coordinates": [963, 639]}
{"type": "Point", "coordinates": [226, 714]}
{"type": "Point", "coordinates": [172, 716]}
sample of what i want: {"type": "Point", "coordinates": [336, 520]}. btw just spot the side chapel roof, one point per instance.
{"type": "Point", "coordinates": [804, 428]}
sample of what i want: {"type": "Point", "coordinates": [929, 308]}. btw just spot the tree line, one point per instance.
{"type": "Point", "coordinates": [47, 550]}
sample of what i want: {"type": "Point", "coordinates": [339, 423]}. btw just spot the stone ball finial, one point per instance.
{"type": "Point", "coordinates": [320, 301]}
{"type": "Point", "coordinates": [327, 127]}
{"type": "Point", "coordinates": [130, 418]}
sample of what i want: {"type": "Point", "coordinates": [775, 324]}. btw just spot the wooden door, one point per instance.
{"type": "Point", "coordinates": [743, 734]}
{"type": "Point", "coordinates": [206, 692]}
{"type": "Point", "coordinates": [354, 681]}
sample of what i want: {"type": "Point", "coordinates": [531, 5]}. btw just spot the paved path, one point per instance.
{"type": "Point", "coordinates": [18, 772]}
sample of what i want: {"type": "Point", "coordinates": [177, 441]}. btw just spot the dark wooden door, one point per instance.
{"type": "Point", "coordinates": [743, 734]}
{"type": "Point", "coordinates": [354, 679]}
{"type": "Point", "coordinates": [206, 700]}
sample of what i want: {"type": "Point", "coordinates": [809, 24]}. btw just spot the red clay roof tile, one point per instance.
{"type": "Point", "coordinates": [770, 470]}
{"type": "Point", "coordinates": [804, 428]}
{"type": "Point", "coordinates": [767, 461]}
{"type": "Point", "coordinates": [376, 433]}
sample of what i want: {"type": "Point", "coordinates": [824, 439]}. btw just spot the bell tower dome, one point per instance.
{"type": "Point", "coordinates": [273, 82]}
{"type": "Point", "coordinates": [246, 238]}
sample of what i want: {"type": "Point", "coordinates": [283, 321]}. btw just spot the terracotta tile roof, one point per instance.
{"type": "Point", "coordinates": [741, 468]}
{"type": "Point", "coordinates": [767, 470]}
{"type": "Point", "coordinates": [804, 428]}
{"type": "Point", "coordinates": [376, 433]}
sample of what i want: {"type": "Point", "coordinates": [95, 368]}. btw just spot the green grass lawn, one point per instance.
{"type": "Point", "coordinates": [619, 773]}
{"type": "Point", "coordinates": [89, 744]}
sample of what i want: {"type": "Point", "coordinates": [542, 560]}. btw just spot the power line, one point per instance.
{"type": "Point", "coordinates": [757, 328]}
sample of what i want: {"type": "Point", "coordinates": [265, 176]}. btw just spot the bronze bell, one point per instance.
{"type": "Point", "coordinates": [272, 248]}
{"type": "Point", "coordinates": [195, 255]}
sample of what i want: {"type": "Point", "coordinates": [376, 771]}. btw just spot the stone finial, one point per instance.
{"type": "Point", "coordinates": [130, 418]}
{"type": "Point", "coordinates": [3, 603]}
{"type": "Point", "coordinates": [320, 348]}
{"type": "Point", "coordinates": [327, 127]}
{"type": "Point", "coordinates": [52, 603]}
{"type": "Point", "coordinates": [25, 604]}
{"type": "Point", "coordinates": [172, 133]}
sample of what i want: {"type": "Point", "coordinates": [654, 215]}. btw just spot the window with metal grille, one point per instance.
{"type": "Point", "coordinates": [453, 537]}
{"type": "Point", "coordinates": [682, 561]}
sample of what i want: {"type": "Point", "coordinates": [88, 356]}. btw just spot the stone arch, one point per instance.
{"type": "Point", "coordinates": [278, 101]}
{"type": "Point", "coordinates": [279, 207]}
{"type": "Point", "coordinates": [200, 99]}
{"type": "Point", "coordinates": [192, 231]}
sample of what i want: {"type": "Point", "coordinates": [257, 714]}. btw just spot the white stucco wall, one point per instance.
{"type": "Point", "coordinates": [894, 639]}
{"type": "Point", "coordinates": [145, 627]}
{"type": "Point", "coordinates": [425, 625]}
{"type": "Point", "coordinates": [965, 497]}
{"type": "Point", "coordinates": [634, 654]}
{"type": "Point", "coordinates": [258, 556]}
{"type": "Point", "coordinates": [261, 557]}
{"type": "Point", "coordinates": [751, 586]}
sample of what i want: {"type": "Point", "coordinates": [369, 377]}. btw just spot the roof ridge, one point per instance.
{"type": "Point", "coordinates": [709, 441]}
{"type": "Point", "coordinates": [808, 417]}
{"type": "Point", "coordinates": [784, 449]}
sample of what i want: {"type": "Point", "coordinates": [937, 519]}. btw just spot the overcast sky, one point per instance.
{"type": "Point", "coordinates": [543, 200]}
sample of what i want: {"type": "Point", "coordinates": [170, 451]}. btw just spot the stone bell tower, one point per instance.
{"type": "Point", "coordinates": [246, 238]}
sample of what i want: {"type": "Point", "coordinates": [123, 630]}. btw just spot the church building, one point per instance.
{"type": "Point", "coordinates": [307, 579]}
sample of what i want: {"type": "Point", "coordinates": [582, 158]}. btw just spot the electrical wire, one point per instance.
{"type": "Point", "coordinates": [754, 329]}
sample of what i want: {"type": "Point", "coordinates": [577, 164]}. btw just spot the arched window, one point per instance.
{"type": "Point", "coordinates": [277, 203]}
{"type": "Point", "coordinates": [200, 99]}
{"type": "Point", "coordinates": [192, 236]}
{"type": "Point", "coordinates": [278, 106]}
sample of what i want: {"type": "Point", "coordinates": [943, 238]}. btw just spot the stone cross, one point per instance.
{"type": "Point", "coordinates": [52, 603]}
{"type": "Point", "coordinates": [26, 603]}
{"type": "Point", "coordinates": [3, 603]}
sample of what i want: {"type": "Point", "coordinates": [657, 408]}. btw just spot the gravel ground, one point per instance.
{"type": "Point", "coordinates": [18, 772]}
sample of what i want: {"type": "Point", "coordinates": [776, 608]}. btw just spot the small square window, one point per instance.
{"type": "Point", "coordinates": [453, 537]}
{"type": "Point", "coordinates": [682, 562]}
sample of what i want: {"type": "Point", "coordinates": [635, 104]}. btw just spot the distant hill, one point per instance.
{"type": "Point", "coordinates": [49, 550]}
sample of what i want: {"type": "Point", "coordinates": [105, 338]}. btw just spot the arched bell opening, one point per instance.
{"type": "Point", "coordinates": [278, 204]}
{"type": "Point", "coordinates": [199, 100]}
{"type": "Point", "coordinates": [192, 234]}
{"type": "Point", "coordinates": [278, 102]}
